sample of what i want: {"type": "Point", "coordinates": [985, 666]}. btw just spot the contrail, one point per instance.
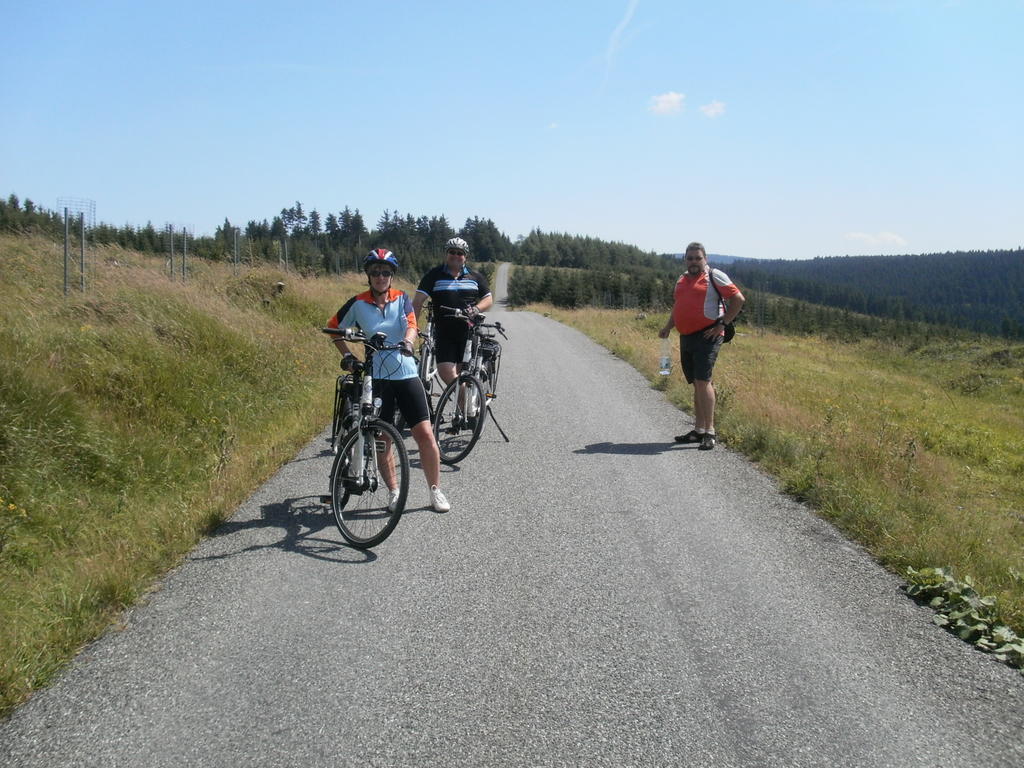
{"type": "Point", "coordinates": [615, 40]}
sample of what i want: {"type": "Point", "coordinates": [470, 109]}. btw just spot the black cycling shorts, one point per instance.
{"type": "Point", "coordinates": [697, 356]}
{"type": "Point", "coordinates": [408, 394]}
{"type": "Point", "coordinates": [450, 342]}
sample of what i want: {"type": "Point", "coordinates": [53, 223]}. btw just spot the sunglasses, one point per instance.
{"type": "Point", "coordinates": [456, 252]}
{"type": "Point", "coordinates": [380, 273]}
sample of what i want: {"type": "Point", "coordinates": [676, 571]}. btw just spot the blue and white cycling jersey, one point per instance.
{"type": "Point", "coordinates": [394, 319]}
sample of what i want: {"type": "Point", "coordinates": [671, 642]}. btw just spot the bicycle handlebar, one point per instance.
{"type": "Point", "coordinates": [476, 320]}
{"type": "Point", "coordinates": [377, 342]}
{"type": "Point", "coordinates": [456, 312]}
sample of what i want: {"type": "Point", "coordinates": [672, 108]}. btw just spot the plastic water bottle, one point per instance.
{"type": "Point", "coordinates": [665, 364]}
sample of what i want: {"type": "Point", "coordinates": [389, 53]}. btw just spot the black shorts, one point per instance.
{"type": "Point", "coordinates": [450, 342]}
{"type": "Point", "coordinates": [697, 355]}
{"type": "Point", "coordinates": [409, 396]}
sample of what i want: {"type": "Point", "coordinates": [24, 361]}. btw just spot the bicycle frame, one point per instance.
{"type": "Point", "coordinates": [369, 479]}
{"type": "Point", "coordinates": [469, 385]}
{"type": "Point", "coordinates": [360, 476]}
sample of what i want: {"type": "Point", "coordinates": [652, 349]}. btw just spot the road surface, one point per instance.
{"type": "Point", "coordinates": [597, 596]}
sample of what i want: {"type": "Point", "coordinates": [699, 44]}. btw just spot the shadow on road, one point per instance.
{"type": "Point", "coordinates": [307, 527]}
{"type": "Point", "coordinates": [635, 449]}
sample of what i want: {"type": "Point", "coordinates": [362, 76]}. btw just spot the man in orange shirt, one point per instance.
{"type": "Point", "coordinates": [700, 314]}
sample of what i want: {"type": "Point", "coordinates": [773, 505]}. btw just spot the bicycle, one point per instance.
{"type": "Point", "coordinates": [371, 460]}
{"type": "Point", "coordinates": [466, 401]}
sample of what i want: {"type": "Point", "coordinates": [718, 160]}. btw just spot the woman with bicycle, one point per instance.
{"type": "Point", "coordinates": [383, 309]}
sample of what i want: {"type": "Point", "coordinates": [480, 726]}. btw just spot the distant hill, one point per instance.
{"type": "Point", "coordinates": [717, 259]}
{"type": "Point", "coordinates": [976, 290]}
{"type": "Point", "coordinates": [713, 258]}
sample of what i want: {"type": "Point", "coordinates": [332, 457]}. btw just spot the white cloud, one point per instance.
{"type": "Point", "coordinates": [877, 239]}
{"type": "Point", "coordinates": [552, 126]}
{"type": "Point", "coordinates": [667, 103]}
{"type": "Point", "coordinates": [714, 109]}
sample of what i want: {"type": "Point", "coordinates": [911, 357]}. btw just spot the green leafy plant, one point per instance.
{"type": "Point", "coordinates": [960, 609]}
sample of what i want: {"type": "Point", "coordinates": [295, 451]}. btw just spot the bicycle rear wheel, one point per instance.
{"type": "Point", "coordinates": [361, 483]}
{"type": "Point", "coordinates": [457, 425]}
{"type": "Point", "coordinates": [433, 385]}
{"type": "Point", "coordinates": [426, 368]}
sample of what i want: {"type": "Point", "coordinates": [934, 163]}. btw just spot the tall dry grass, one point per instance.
{"type": "Point", "coordinates": [133, 419]}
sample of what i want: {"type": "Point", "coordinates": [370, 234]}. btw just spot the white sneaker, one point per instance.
{"type": "Point", "coordinates": [438, 500]}
{"type": "Point", "coordinates": [393, 495]}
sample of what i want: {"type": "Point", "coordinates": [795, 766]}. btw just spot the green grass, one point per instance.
{"type": "Point", "coordinates": [917, 452]}
{"type": "Point", "coordinates": [133, 419]}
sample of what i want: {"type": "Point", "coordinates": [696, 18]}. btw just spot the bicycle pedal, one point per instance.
{"type": "Point", "coordinates": [326, 499]}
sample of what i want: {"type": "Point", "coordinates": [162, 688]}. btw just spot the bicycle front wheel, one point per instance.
{"type": "Point", "coordinates": [339, 412]}
{"type": "Point", "coordinates": [491, 375]}
{"type": "Point", "coordinates": [372, 462]}
{"type": "Point", "coordinates": [459, 418]}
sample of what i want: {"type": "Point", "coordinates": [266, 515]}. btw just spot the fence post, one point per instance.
{"type": "Point", "coordinates": [81, 224]}
{"type": "Point", "coordinates": [170, 241]}
{"type": "Point", "coordinates": [66, 235]}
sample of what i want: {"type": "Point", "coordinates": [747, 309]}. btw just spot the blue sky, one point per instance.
{"type": "Point", "coordinates": [786, 129]}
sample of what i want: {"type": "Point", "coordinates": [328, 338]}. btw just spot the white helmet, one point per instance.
{"type": "Point", "coordinates": [457, 242]}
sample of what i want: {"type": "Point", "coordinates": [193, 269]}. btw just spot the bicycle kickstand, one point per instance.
{"type": "Point", "coordinates": [491, 411]}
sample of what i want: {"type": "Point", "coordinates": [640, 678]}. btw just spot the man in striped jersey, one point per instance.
{"type": "Point", "coordinates": [452, 284]}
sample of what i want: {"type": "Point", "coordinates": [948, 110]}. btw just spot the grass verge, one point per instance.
{"type": "Point", "coordinates": [134, 418]}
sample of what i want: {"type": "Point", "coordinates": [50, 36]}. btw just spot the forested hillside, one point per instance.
{"type": "Point", "coordinates": [978, 290]}
{"type": "Point", "coordinates": [296, 239]}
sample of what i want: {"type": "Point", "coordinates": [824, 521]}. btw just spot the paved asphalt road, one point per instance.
{"type": "Point", "coordinates": [597, 596]}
